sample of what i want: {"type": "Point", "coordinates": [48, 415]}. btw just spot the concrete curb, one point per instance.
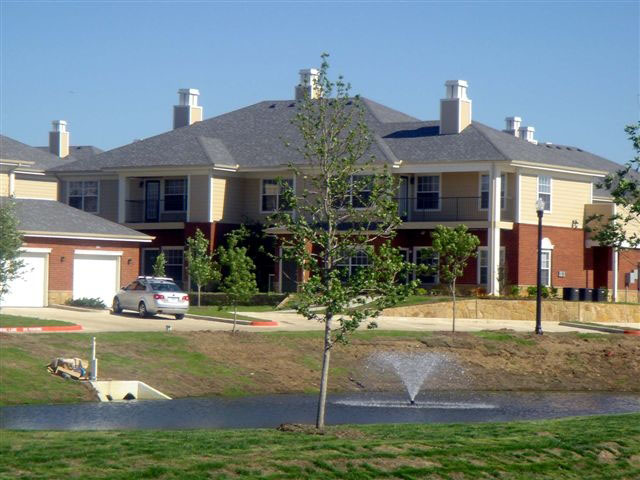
{"type": "Point", "coordinates": [248, 323]}
{"type": "Point", "coordinates": [59, 328]}
{"type": "Point", "coordinates": [600, 328]}
{"type": "Point", "coordinates": [78, 309]}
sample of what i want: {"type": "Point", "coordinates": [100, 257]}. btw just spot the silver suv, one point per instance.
{"type": "Point", "coordinates": [151, 295]}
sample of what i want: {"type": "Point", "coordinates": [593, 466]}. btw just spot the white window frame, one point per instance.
{"type": "Point", "coordinates": [163, 190]}
{"type": "Point", "coordinates": [417, 177]}
{"type": "Point", "coordinates": [503, 261]}
{"type": "Point", "coordinates": [550, 277]}
{"type": "Point", "coordinates": [550, 192]}
{"type": "Point", "coordinates": [348, 262]}
{"type": "Point", "coordinates": [503, 191]}
{"type": "Point", "coordinates": [97, 181]}
{"type": "Point", "coordinates": [185, 275]}
{"type": "Point", "coordinates": [261, 194]}
{"type": "Point", "coordinates": [415, 261]}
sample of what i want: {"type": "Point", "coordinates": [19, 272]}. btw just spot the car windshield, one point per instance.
{"type": "Point", "coordinates": [164, 287]}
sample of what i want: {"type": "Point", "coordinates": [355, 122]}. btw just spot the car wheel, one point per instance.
{"type": "Point", "coordinates": [116, 308]}
{"type": "Point", "coordinates": [179, 316]}
{"type": "Point", "coordinates": [142, 310]}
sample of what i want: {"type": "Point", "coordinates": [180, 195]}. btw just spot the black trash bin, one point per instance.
{"type": "Point", "coordinates": [600, 295]}
{"type": "Point", "coordinates": [570, 294]}
{"type": "Point", "coordinates": [585, 294]}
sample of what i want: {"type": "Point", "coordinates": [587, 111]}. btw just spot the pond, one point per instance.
{"type": "Point", "coordinates": [272, 410]}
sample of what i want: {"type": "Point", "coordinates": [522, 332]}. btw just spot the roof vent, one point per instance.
{"type": "Point", "coordinates": [187, 112]}
{"type": "Point", "coordinates": [308, 85]}
{"type": "Point", "coordinates": [512, 124]}
{"type": "Point", "coordinates": [455, 109]}
{"type": "Point", "coordinates": [526, 133]}
{"type": "Point", "coordinates": [59, 139]}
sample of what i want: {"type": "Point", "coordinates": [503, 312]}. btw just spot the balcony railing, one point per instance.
{"type": "Point", "coordinates": [153, 211]}
{"type": "Point", "coordinates": [447, 209]}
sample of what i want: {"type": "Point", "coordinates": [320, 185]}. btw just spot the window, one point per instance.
{"type": "Point", "coordinates": [483, 264]}
{"type": "Point", "coordinates": [175, 195]}
{"type": "Point", "coordinates": [354, 263]}
{"type": "Point", "coordinates": [173, 267]}
{"type": "Point", "coordinates": [428, 193]}
{"type": "Point", "coordinates": [271, 197]}
{"type": "Point", "coordinates": [423, 257]}
{"type": "Point", "coordinates": [84, 195]}
{"type": "Point", "coordinates": [544, 191]}
{"type": "Point", "coordinates": [546, 267]}
{"type": "Point", "coordinates": [361, 187]}
{"type": "Point", "coordinates": [485, 188]}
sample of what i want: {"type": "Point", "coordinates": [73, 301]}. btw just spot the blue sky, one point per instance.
{"type": "Point", "coordinates": [112, 69]}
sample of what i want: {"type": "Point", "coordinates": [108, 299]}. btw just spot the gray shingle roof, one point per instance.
{"type": "Point", "coordinates": [254, 136]}
{"type": "Point", "coordinates": [11, 149]}
{"type": "Point", "coordinates": [79, 152]}
{"type": "Point", "coordinates": [49, 216]}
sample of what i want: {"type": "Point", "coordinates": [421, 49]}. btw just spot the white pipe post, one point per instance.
{"type": "Point", "coordinates": [94, 361]}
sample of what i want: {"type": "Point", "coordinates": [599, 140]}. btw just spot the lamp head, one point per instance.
{"type": "Point", "coordinates": [539, 205]}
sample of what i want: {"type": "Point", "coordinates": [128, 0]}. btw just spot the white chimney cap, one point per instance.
{"type": "Point", "coordinates": [461, 83]}
{"type": "Point", "coordinates": [513, 119]}
{"type": "Point", "coordinates": [456, 89]}
{"type": "Point", "coordinates": [527, 129]}
{"type": "Point", "coordinates": [188, 96]}
{"type": "Point", "coordinates": [59, 125]}
{"type": "Point", "coordinates": [189, 91]}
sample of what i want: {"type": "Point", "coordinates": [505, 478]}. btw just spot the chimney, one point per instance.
{"type": "Point", "coordinates": [512, 126]}
{"type": "Point", "coordinates": [307, 86]}
{"type": "Point", "coordinates": [526, 133]}
{"type": "Point", "coordinates": [187, 112]}
{"type": "Point", "coordinates": [455, 109]}
{"type": "Point", "coordinates": [59, 139]}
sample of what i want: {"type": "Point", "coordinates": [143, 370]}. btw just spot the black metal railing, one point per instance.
{"type": "Point", "coordinates": [160, 210]}
{"type": "Point", "coordinates": [432, 208]}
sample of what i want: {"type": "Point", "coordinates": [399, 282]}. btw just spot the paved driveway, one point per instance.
{"type": "Point", "coordinates": [103, 321]}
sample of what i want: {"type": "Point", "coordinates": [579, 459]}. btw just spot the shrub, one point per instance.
{"type": "Point", "coordinates": [421, 291]}
{"type": "Point", "coordinates": [532, 291]}
{"type": "Point", "coordinates": [479, 292]}
{"type": "Point", "coordinates": [515, 291]}
{"type": "Point", "coordinates": [96, 303]}
{"type": "Point", "coordinates": [218, 299]}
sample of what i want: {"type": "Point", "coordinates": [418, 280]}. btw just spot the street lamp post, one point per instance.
{"type": "Point", "coordinates": [540, 211]}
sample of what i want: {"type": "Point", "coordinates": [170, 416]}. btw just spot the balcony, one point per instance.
{"type": "Point", "coordinates": [156, 211]}
{"type": "Point", "coordinates": [448, 209]}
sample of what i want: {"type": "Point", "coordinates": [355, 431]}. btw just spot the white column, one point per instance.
{"type": "Point", "coordinates": [12, 184]}
{"type": "Point", "coordinates": [493, 247]}
{"type": "Point", "coordinates": [614, 254]}
{"type": "Point", "coordinates": [188, 197]}
{"type": "Point", "coordinates": [122, 196]}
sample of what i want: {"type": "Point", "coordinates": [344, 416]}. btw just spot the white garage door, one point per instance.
{"type": "Point", "coordinates": [95, 276]}
{"type": "Point", "coordinates": [29, 289]}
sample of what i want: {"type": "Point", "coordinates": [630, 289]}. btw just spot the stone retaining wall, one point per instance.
{"type": "Point", "coordinates": [552, 310]}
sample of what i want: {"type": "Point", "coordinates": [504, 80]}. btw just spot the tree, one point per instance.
{"type": "Point", "coordinates": [240, 282]}
{"type": "Point", "coordinates": [346, 206]}
{"type": "Point", "coordinates": [454, 247]}
{"type": "Point", "coordinates": [159, 265]}
{"type": "Point", "coordinates": [200, 262]}
{"type": "Point", "coordinates": [621, 229]}
{"type": "Point", "coordinates": [10, 243]}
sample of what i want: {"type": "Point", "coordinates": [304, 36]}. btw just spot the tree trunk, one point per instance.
{"type": "Point", "coordinates": [199, 295]}
{"type": "Point", "coordinates": [453, 292]}
{"type": "Point", "coordinates": [324, 379]}
{"type": "Point", "coordinates": [235, 315]}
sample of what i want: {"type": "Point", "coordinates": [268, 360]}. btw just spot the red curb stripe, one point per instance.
{"type": "Point", "coordinates": [632, 332]}
{"type": "Point", "coordinates": [264, 324]}
{"type": "Point", "coordinates": [60, 328]}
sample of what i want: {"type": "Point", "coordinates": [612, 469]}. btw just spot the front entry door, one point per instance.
{"type": "Point", "coordinates": [152, 201]}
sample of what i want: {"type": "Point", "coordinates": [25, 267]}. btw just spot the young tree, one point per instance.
{"type": "Point", "coordinates": [454, 247]}
{"type": "Point", "coordinates": [10, 243]}
{"type": "Point", "coordinates": [346, 206]}
{"type": "Point", "coordinates": [621, 230]}
{"type": "Point", "coordinates": [159, 265]}
{"type": "Point", "coordinates": [240, 282]}
{"type": "Point", "coordinates": [200, 262]}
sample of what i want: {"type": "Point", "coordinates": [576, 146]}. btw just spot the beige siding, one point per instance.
{"type": "Point", "coordinates": [199, 198]}
{"type": "Point", "coordinates": [568, 200]}
{"type": "Point", "coordinates": [4, 185]}
{"type": "Point", "coordinates": [108, 199]}
{"type": "Point", "coordinates": [632, 227]}
{"type": "Point", "coordinates": [465, 184]}
{"type": "Point", "coordinates": [228, 200]}
{"type": "Point", "coordinates": [31, 186]}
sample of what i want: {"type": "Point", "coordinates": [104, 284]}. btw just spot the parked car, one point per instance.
{"type": "Point", "coordinates": [152, 295]}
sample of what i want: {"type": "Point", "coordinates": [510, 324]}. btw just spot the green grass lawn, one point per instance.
{"type": "Point", "coordinates": [18, 321]}
{"type": "Point", "coordinates": [578, 448]}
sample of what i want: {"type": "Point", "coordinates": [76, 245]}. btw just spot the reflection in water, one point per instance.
{"type": "Point", "coordinates": [272, 410]}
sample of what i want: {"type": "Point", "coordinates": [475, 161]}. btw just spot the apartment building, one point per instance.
{"type": "Point", "coordinates": [67, 253]}
{"type": "Point", "coordinates": [217, 173]}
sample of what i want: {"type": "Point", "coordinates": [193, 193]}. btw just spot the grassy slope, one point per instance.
{"type": "Point", "coordinates": [579, 448]}
{"type": "Point", "coordinates": [18, 321]}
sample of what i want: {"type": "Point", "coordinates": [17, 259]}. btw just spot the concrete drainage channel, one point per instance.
{"type": "Point", "coordinates": [250, 323]}
{"type": "Point", "coordinates": [122, 390]}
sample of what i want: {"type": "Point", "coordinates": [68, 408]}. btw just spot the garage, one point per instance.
{"type": "Point", "coordinates": [96, 274]}
{"type": "Point", "coordinates": [30, 289]}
